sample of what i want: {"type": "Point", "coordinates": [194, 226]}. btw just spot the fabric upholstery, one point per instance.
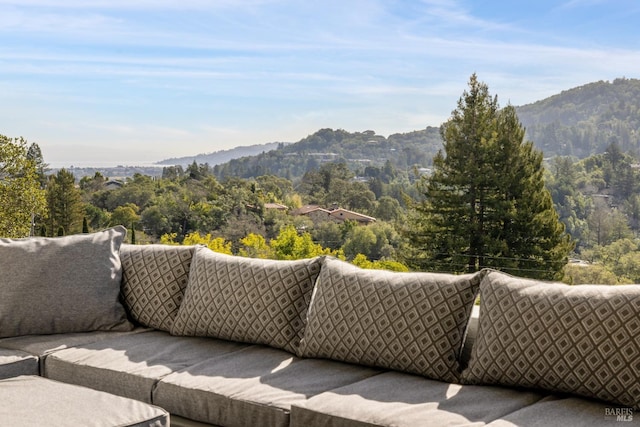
{"type": "Point", "coordinates": [131, 365]}
{"type": "Point", "coordinates": [248, 300]}
{"type": "Point", "coordinates": [574, 339]}
{"type": "Point", "coordinates": [14, 363]}
{"type": "Point", "coordinates": [43, 345]}
{"type": "Point", "coordinates": [412, 322]}
{"type": "Point", "coordinates": [154, 278]}
{"type": "Point", "coordinates": [570, 411]}
{"type": "Point", "coordinates": [252, 387]}
{"type": "Point", "coordinates": [395, 399]}
{"type": "Point", "coordinates": [72, 283]}
{"type": "Point", "coordinates": [36, 401]}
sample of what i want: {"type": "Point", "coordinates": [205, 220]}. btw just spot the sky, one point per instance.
{"type": "Point", "coordinates": [107, 82]}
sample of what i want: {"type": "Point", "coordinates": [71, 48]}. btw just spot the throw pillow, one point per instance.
{"type": "Point", "coordinates": [245, 299]}
{"type": "Point", "coordinates": [574, 339]}
{"type": "Point", "coordinates": [61, 284]}
{"type": "Point", "coordinates": [412, 322]}
{"type": "Point", "coordinates": [154, 278]}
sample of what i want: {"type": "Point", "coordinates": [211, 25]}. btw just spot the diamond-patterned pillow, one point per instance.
{"type": "Point", "coordinates": [412, 322]}
{"type": "Point", "coordinates": [247, 300]}
{"type": "Point", "coordinates": [583, 339]}
{"type": "Point", "coordinates": [153, 282]}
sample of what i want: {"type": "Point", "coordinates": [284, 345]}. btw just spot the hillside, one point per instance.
{"type": "Point", "coordinates": [577, 122]}
{"type": "Point", "coordinates": [585, 120]}
{"type": "Point", "coordinates": [358, 150]}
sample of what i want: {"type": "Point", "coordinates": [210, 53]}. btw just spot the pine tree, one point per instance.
{"type": "Point", "coordinates": [64, 200]}
{"type": "Point", "coordinates": [133, 234]}
{"type": "Point", "coordinates": [486, 205]}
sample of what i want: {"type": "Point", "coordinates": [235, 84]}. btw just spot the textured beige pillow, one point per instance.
{"type": "Point", "coordinates": [412, 322]}
{"type": "Point", "coordinates": [61, 284]}
{"type": "Point", "coordinates": [575, 339]}
{"type": "Point", "coordinates": [247, 300]}
{"type": "Point", "coordinates": [154, 278]}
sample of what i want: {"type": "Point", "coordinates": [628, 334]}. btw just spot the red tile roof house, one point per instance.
{"type": "Point", "coordinates": [96, 332]}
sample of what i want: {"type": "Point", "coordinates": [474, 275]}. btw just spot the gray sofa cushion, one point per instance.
{"type": "Point", "coordinates": [413, 322]}
{"type": "Point", "coordinates": [72, 283]}
{"type": "Point", "coordinates": [42, 345]}
{"type": "Point", "coordinates": [574, 339]}
{"type": "Point", "coordinates": [14, 363]}
{"type": "Point", "coordinates": [571, 411]}
{"type": "Point", "coordinates": [252, 387]}
{"type": "Point", "coordinates": [36, 401]}
{"type": "Point", "coordinates": [395, 399]}
{"type": "Point", "coordinates": [131, 365]}
{"type": "Point", "coordinates": [249, 300]}
{"type": "Point", "coordinates": [154, 278]}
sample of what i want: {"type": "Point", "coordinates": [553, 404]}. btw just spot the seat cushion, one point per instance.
{"type": "Point", "coordinates": [250, 300]}
{"type": "Point", "coordinates": [131, 365]}
{"type": "Point", "coordinates": [412, 322]}
{"type": "Point", "coordinates": [14, 363]}
{"type": "Point", "coordinates": [395, 399]}
{"type": "Point", "coordinates": [253, 387]}
{"type": "Point", "coordinates": [36, 401]}
{"type": "Point", "coordinates": [154, 278]}
{"type": "Point", "coordinates": [568, 411]}
{"type": "Point", "coordinates": [72, 283]}
{"type": "Point", "coordinates": [43, 345]}
{"type": "Point", "coordinates": [583, 340]}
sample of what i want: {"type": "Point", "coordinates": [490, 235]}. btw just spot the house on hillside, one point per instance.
{"type": "Point", "coordinates": [341, 215]}
{"type": "Point", "coordinates": [276, 206]}
{"type": "Point", "coordinates": [112, 184]}
{"type": "Point", "coordinates": [314, 212]}
{"type": "Point", "coordinates": [318, 214]}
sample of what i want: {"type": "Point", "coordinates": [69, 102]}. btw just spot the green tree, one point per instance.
{"type": "Point", "coordinates": [255, 246]}
{"type": "Point", "coordinates": [64, 200]}
{"type": "Point", "coordinates": [216, 244]}
{"type": "Point", "coordinates": [125, 215]}
{"type": "Point", "coordinates": [35, 155]}
{"type": "Point", "coordinates": [486, 205]}
{"type": "Point", "coordinates": [21, 196]}
{"type": "Point", "coordinates": [291, 245]}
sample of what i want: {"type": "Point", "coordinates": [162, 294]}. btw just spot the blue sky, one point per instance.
{"type": "Point", "coordinates": [98, 82]}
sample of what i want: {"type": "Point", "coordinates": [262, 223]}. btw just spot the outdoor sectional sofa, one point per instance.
{"type": "Point", "coordinates": [222, 340]}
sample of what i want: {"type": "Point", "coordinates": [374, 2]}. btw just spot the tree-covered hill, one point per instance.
{"type": "Point", "coordinates": [358, 150]}
{"type": "Point", "coordinates": [578, 122]}
{"type": "Point", "coordinates": [583, 121]}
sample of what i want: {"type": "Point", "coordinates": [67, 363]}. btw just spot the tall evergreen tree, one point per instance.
{"type": "Point", "coordinates": [34, 153]}
{"type": "Point", "coordinates": [64, 200]}
{"type": "Point", "coordinates": [486, 205]}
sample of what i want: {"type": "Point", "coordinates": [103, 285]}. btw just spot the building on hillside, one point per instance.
{"type": "Point", "coordinates": [341, 215]}
{"type": "Point", "coordinates": [276, 206]}
{"type": "Point", "coordinates": [314, 212]}
{"type": "Point", "coordinates": [112, 184]}
{"type": "Point", "coordinates": [318, 214]}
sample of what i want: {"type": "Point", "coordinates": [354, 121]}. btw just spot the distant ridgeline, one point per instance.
{"type": "Point", "coordinates": [585, 120]}
{"type": "Point", "coordinates": [578, 122]}
{"type": "Point", "coordinates": [358, 150]}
